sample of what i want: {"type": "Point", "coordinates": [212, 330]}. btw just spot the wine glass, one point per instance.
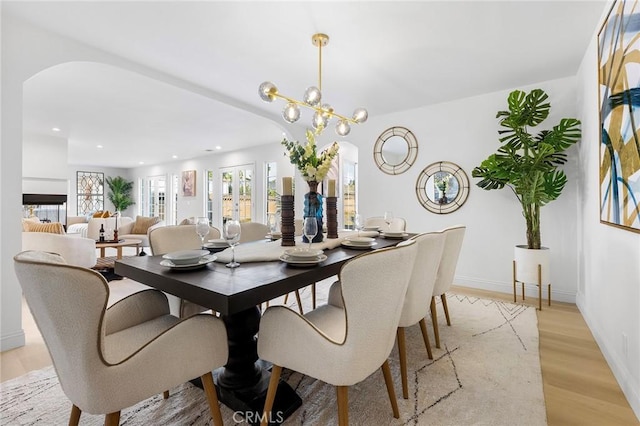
{"type": "Point", "coordinates": [388, 218]}
{"type": "Point", "coordinates": [310, 229]}
{"type": "Point", "coordinates": [202, 229]}
{"type": "Point", "coordinates": [358, 222]}
{"type": "Point", "coordinates": [231, 231]}
{"type": "Point", "coordinates": [273, 223]}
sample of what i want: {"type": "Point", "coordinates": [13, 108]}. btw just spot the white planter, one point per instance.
{"type": "Point", "coordinates": [527, 261]}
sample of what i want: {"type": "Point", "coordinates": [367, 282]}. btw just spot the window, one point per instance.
{"type": "Point", "coordinates": [349, 201]}
{"type": "Point", "coordinates": [209, 195]}
{"type": "Point", "coordinates": [272, 197]}
{"type": "Point", "coordinates": [152, 196]}
{"type": "Point", "coordinates": [90, 192]}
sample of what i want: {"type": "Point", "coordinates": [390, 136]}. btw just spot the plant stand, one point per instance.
{"type": "Point", "coordinates": [539, 284]}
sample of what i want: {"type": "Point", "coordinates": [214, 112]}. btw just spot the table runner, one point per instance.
{"type": "Point", "coordinates": [258, 251]}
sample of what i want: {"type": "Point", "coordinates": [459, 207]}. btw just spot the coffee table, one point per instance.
{"type": "Point", "coordinates": [118, 246]}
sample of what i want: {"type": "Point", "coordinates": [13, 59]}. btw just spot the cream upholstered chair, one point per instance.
{"type": "Point", "coordinates": [454, 236]}
{"type": "Point", "coordinates": [414, 310]}
{"type": "Point", "coordinates": [346, 340]}
{"type": "Point", "coordinates": [110, 359]}
{"type": "Point", "coordinates": [166, 239]}
{"type": "Point", "coordinates": [74, 249]}
{"type": "Point", "coordinates": [397, 224]}
{"type": "Point", "coordinates": [252, 231]}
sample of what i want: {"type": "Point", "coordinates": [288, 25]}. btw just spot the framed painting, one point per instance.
{"type": "Point", "coordinates": [619, 97]}
{"type": "Point", "coordinates": [189, 183]}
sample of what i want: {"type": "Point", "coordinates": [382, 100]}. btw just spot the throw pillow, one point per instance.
{"type": "Point", "coordinates": [106, 213]}
{"type": "Point", "coordinates": [98, 213]}
{"type": "Point", "coordinates": [142, 224]}
{"type": "Point", "coordinates": [52, 227]}
{"type": "Point", "coordinates": [27, 220]}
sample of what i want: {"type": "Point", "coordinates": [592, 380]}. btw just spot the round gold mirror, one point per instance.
{"type": "Point", "coordinates": [395, 150]}
{"type": "Point", "coordinates": [442, 187]}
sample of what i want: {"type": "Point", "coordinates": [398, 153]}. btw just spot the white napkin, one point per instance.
{"type": "Point", "coordinates": [263, 251]}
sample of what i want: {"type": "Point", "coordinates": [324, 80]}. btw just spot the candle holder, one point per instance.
{"type": "Point", "coordinates": [287, 218]}
{"type": "Point", "coordinates": [332, 217]}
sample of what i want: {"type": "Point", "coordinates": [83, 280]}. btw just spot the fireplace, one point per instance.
{"type": "Point", "coordinates": [47, 207]}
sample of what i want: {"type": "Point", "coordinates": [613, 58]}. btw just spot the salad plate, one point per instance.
{"type": "Point", "coordinates": [303, 262]}
{"type": "Point", "coordinates": [350, 244]}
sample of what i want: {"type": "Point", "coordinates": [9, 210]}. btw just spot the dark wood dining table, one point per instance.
{"type": "Point", "coordinates": [237, 295]}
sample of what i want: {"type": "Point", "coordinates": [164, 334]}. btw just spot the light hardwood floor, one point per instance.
{"type": "Point", "coordinates": [579, 388]}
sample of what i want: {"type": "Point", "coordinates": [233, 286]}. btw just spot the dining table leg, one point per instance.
{"type": "Point", "coordinates": [244, 380]}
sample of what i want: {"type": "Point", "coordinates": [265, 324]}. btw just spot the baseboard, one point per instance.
{"type": "Point", "coordinates": [12, 341]}
{"type": "Point", "coordinates": [503, 287]}
{"type": "Point", "coordinates": [618, 367]}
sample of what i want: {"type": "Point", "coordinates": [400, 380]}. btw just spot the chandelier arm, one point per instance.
{"type": "Point", "coordinates": [320, 67]}
{"type": "Point", "coordinates": [318, 109]}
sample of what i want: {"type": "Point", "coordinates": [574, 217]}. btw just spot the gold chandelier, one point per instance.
{"type": "Point", "coordinates": [313, 99]}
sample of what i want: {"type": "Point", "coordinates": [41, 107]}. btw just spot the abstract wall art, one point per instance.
{"type": "Point", "coordinates": [619, 90]}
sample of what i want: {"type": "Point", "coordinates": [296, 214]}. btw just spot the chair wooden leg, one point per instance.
{"type": "Point", "coordinates": [286, 298]}
{"type": "Point", "coordinates": [434, 321]}
{"type": "Point", "coordinates": [425, 337]}
{"type": "Point", "coordinates": [165, 394]}
{"type": "Point", "coordinates": [549, 295]}
{"type": "Point", "coordinates": [212, 398]}
{"type": "Point", "coordinates": [402, 352]}
{"type": "Point", "coordinates": [74, 419]}
{"type": "Point", "coordinates": [313, 295]}
{"type": "Point", "coordinates": [299, 301]}
{"type": "Point", "coordinates": [443, 297]}
{"type": "Point", "coordinates": [112, 419]}
{"type": "Point", "coordinates": [343, 405]}
{"type": "Point", "coordinates": [276, 370]}
{"type": "Point", "coordinates": [386, 372]}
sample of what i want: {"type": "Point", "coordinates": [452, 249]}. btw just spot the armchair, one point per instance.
{"type": "Point", "coordinates": [139, 229]}
{"type": "Point", "coordinates": [74, 249]}
{"type": "Point", "coordinates": [110, 359]}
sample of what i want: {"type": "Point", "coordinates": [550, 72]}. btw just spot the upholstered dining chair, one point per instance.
{"type": "Point", "coordinates": [397, 224]}
{"type": "Point", "coordinates": [252, 231]}
{"type": "Point", "coordinates": [454, 236]}
{"type": "Point", "coordinates": [349, 338]}
{"type": "Point", "coordinates": [166, 239]}
{"type": "Point", "coordinates": [414, 309]}
{"type": "Point", "coordinates": [110, 359]}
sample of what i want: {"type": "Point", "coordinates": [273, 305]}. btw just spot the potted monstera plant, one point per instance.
{"type": "Point", "coordinates": [528, 164]}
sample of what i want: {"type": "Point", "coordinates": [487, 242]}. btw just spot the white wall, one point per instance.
{"type": "Point", "coordinates": [44, 167]}
{"type": "Point", "coordinates": [609, 258]}
{"type": "Point", "coordinates": [465, 132]}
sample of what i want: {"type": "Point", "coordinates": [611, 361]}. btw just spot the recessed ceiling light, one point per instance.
{"type": "Point", "coordinates": [218, 147]}
{"type": "Point", "coordinates": [174, 156]}
{"type": "Point", "coordinates": [55, 129]}
{"type": "Point", "coordinates": [99, 146]}
{"type": "Point", "coordinates": [142, 162]}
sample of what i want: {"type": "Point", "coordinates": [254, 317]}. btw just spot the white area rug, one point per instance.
{"type": "Point", "coordinates": [486, 373]}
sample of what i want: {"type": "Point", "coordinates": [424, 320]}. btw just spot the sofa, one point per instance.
{"type": "Point", "coordinates": [73, 248]}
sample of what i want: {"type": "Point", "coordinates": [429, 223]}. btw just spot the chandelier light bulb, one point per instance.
{"type": "Point", "coordinates": [343, 128]}
{"type": "Point", "coordinates": [312, 96]}
{"type": "Point", "coordinates": [267, 91]}
{"type": "Point", "coordinates": [360, 115]}
{"type": "Point", "coordinates": [327, 110]}
{"type": "Point", "coordinates": [320, 120]}
{"type": "Point", "coordinates": [291, 112]}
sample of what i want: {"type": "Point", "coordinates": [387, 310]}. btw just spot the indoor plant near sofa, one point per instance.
{"type": "Point", "coordinates": [529, 165]}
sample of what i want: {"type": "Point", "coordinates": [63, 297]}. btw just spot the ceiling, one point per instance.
{"type": "Point", "coordinates": [210, 57]}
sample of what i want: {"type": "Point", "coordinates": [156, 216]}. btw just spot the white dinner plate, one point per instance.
{"type": "Point", "coordinates": [302, 253]}
{"type": "Point", "coordinates": [217, 243]}
{"type": "Point", "coordinates": [303, 262]}
{"type": "Point", "coordinates": [203, 261]}
{"type": "Point", "coordinates": [394, 235]}
{"type": "Point", "coordinates": [185, 257]}
{"type": "Point", "coordinates": [371, 228]}
{"type": "Point", "coordinates": [362, 241]}
{"type": "Point", "coordinates": [349, 244]}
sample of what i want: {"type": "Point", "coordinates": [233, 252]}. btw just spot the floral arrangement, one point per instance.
{"type": "Point", "coordinates": [313, 167]}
